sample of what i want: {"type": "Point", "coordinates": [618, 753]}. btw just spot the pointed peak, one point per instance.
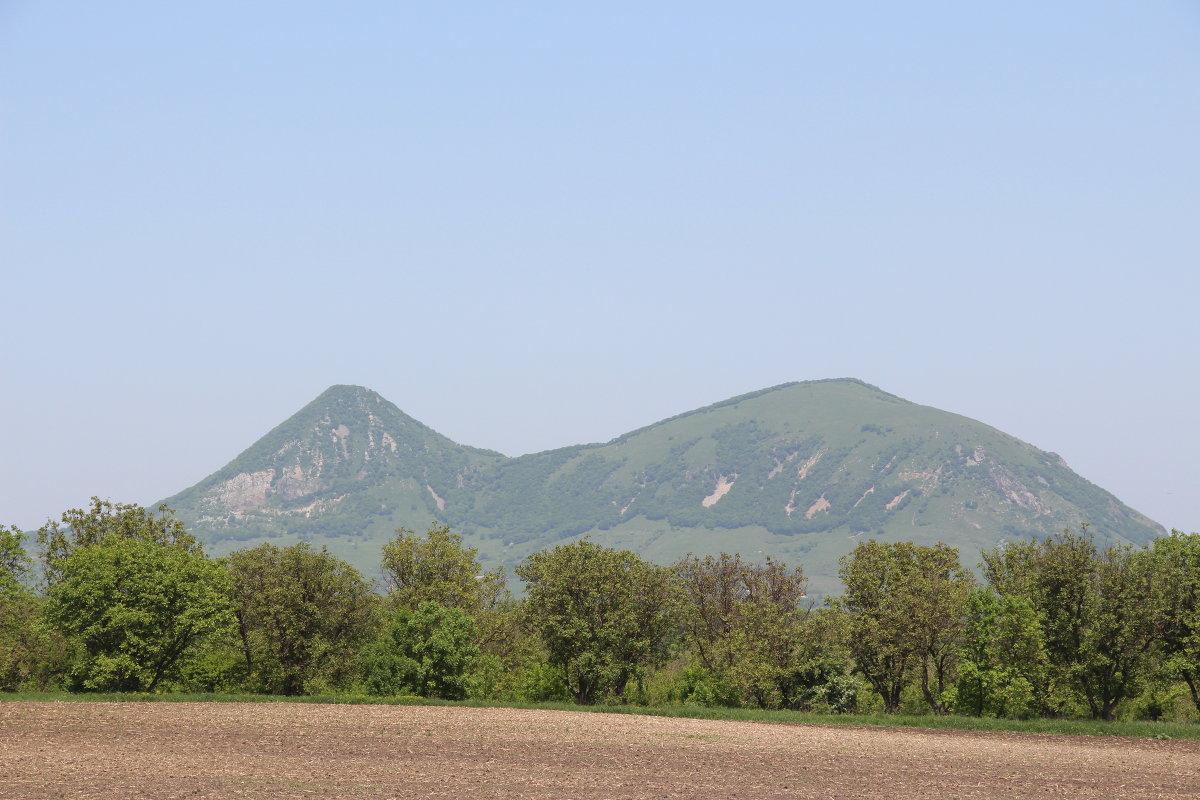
{"type": "Point", "coordinates": [347, 390]}
{"type": "Point", "coordinates": [344, 397]}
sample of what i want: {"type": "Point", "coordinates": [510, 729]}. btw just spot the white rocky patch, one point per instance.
{"type": "Point", "coordinates": [816, 508]}
{"type": "Point", "coordinates": [809, 464]}
{"type": "Point", "coordinates": [441, 504]}
{"type": "Point", "coordinates": [246, 491]}
{"type": "Point", "coordinates": [1014, 490]}
{"type": "Point", "coordinates": [723, 487]}
{"type": "Point", "coordinates": [295, 482]}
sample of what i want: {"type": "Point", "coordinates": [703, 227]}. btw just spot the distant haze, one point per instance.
{"type": "Point", "coordinates": [537, 226]}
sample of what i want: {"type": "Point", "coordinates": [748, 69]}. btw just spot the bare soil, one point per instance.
{"type": "Point", "coordinates": [276, 750]}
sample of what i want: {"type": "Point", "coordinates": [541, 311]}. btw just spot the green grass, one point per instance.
{"type": "Point", "coordinates": [1073, 727]}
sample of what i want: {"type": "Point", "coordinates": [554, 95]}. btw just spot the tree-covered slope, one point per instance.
{"type": "Point", "coordinates": [799, 471]}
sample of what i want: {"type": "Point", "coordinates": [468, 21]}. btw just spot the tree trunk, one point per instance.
{"type": "Point", "coordinates": [1190, 678]}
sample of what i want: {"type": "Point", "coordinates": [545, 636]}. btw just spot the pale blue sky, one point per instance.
{"type": "Point", "coordinates": [537, 224]}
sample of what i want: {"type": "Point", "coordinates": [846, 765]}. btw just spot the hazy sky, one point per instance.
{"type": "Point", "coordinates": [538, 224]}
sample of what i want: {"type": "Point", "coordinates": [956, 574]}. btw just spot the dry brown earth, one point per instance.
{"type": "Point", "coordinates": [277, 750]}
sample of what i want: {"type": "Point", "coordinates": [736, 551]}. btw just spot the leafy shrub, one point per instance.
{"type": "Point", "coordinates": [545, 682]}
{"type": "Point", "coordinates": [430, 652]}
{"type": "Point", "coordinates": [699, 687]}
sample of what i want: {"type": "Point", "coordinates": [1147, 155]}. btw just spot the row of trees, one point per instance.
{"type": "Point", "coordinates": [128, 601]}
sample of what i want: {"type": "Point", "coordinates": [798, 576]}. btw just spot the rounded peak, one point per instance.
{"type": "Point", "coordinates": [818, 384]}
{"type": "Point", "coordinates": [342, 389]}
{"type": "Point", "coordinates": [856, 383]}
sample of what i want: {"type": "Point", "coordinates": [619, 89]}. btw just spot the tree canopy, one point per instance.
{"type": "Point", "coordinates": [604, 615]}
{"type": "Point", "coordinates": [1176, 563]}
{"type": "Point", "coordinates": [302, 617]}
{"type": "Point", "coordinates": [14, 563]}
{"type": "Point", "coordinates": [747, 626]}
{"type": "Point", "coordinates": [103, 520]}
{"type": "Point", "coordinates": [1061, 627]}
{"type": "Point", "coordinates": [1099, 611]}
{"type": "Point", "coordinates": [904, 603]}
{"type": "Point", "coordinates": [428, 651]}
{"type": "Point", "coordinates": [136, 608]}
{"type": "Point", "coordinates": [437, 568]}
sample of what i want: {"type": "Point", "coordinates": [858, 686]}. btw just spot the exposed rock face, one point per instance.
{"type": "Point", "coordinates": [1013, 490]}
{"type": "Point", "coordinates": [820, 505]}
{"type": "Point", "coordinates": [723, 486]}
{"type": "Point", "coordinates": [897, 500]}
{"type": "Point", "coordinates": [297, 481]}
{"type": "Point", "coordinates": [437, 498]}
{"type": "Point", "coordinates": [244, 491]}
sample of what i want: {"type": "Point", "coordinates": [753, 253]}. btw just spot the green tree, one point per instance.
{"type": "Point", "coordinates": [302, 617]}
{"type": "Point", "coordinates": [789, 660]}
{"type": "Point", "coordinates": [746, 624]}
{"type": "Point", "coordinates": [30, 655]}
{"type": "Point", "coordinates": [104, 520]}
{"type": "Point", "coordinates": [137, 609]}
{"type": "Point", "coordinates": [604, 615]}
{"type": "Point", "coordinates": [429, 651]}
{"type": "Point", "coordinates": [904, 603]}
{"type": "Point", "coordinates": [438, 568]}
{"type": "Point", "coordinates": [1176, 563]}
{"type": "Point", "coordinates": [1100, 612]}
{"type": "Point", "coordinates": [1003, 667]}
{"type": "Point", "coordinates": [14, 563]}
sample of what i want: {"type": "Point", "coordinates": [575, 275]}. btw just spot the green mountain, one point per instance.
{"type": "Point", "coordinates": [798, 471]}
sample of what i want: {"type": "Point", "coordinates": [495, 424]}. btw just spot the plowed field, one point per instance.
{"type": "Point", "coordinates": [278, 750]}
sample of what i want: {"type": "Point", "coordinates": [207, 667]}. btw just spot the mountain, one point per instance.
{"type": "Point", "coordinates": [799, 471]}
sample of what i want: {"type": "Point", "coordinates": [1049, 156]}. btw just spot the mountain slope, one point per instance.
{"type": "Point", "coordinates": [799, 471]}
{"type": "Point", "coordinates": [347, 463]}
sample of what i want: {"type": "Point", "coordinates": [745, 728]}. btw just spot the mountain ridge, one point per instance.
{"type": "Point", "coordinates": [798, 471]}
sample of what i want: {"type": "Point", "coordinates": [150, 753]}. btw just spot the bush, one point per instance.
{"type": "Point", "coordinates": [430, 652]}
{"type": "Point", "coordinates": [545, 683]}
{"type": "Point", "coordinates": [699, 687]}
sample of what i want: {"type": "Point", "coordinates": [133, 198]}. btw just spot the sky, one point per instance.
{"type": "Point", "coordinates": [536, 224]}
